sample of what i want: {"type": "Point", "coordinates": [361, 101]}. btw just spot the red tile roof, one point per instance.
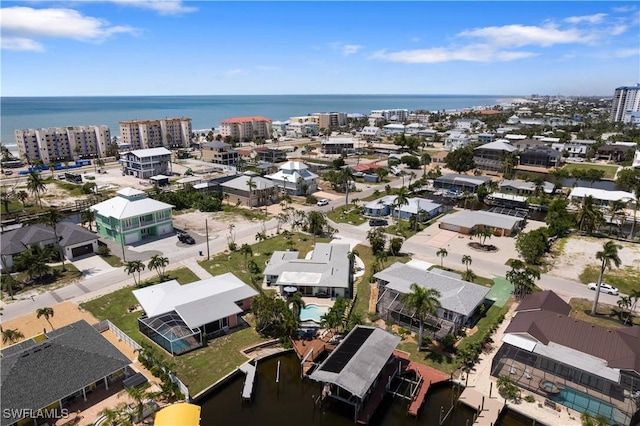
{"type": "Point", "coordinates": [365, 167]}
{"type": "Point", "coordinates": [240, 120]}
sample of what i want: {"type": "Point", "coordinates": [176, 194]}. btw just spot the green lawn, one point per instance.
{"type": "Point", "coordinates": [235, 262]}
{"type": "Point", "coordinates": [606, 314]}
{"type": "Point", "coordinates": [353, 216]}
{"type": "Point", "coordinates": [625, 279]}
{"type": "Point", "coordinates": [487, 282]}
{"type": "Point", "coordinates": [609, 171]}
{"type": "Point", "coordinates": [182, 275]}
{"type": "Point", "coordinates": [406, 230]}
{"type": "Point", "coordinates": [14, 206]}
{"type": "Point", "coordinates": [197, 369]}
{"type": "Point", "coordinates": [113, 260]}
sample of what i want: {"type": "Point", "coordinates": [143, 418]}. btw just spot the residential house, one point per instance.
{"type": "Point", "coordinates": [415, 128]}
{"type": "Point", "coordinates": [336, 145]}
{"type": "Point", "coordinates": [459, 300]}
{"type": "Point", "coordinates": [386, 206]}
{"type": "Point", "coordinates": [144, 163]}
{"type": "Point", "coordinates": [574, 149]}
{"type": "Point", "coordinates": [613, 152]}
{"type": "Point", "coordinates": [246, 128]}
{"type": "Point", "coordinates": [166, 132]}
{"type": "Point", "coordinates": [393, 129]}
{"type": "Point", "coordinates": [294, 177]}
{"type": "Point", "coordinates": [541, 156]}
{"type": "Point", "coordinates": [468, 124]}
{"type": "Point", "coordinates": [460, 183]}
{"type": "Point", "coordinates": [601, 196]}
{"type": "Point", "coordinates": [51, 371]}
{"type": "Point", "coordinates": [218, 152]}
{"type": "Point", "coordinates": [512, 138]}
{"type": "Point", "coordinates": [279, 128]}
{"type": "Point", "coordinates": [179, 317]}
{"type": "Point", "coordinates": [74, 240]}
{"type": "Point", "coordinates": [455, 140]}
{"type": "Point", "coordinates": [370, 133]}
{"type": "Point", "coordinates": [327, 272]}
{"type": "Point", "coordinates": [270, 155]}
{"type": "Point", "coordinates": [131, 217]}
{"type": "Point", "coordinates": [467, 221]}
{"type": "Point", "coordinates": [490, 156]}
{"type": "Point", "coordinates": [486, 137]}
{"type": "Point", "coordinates": [518, 187]}
{"type": "Point", "coordinates": [239, 191]}
{"type": "Point", "coordinates": [525, 144]}
{"type": "Point", "coordinates": [584, 366]}
{"type": "Point", "coordinates": [299, 130]}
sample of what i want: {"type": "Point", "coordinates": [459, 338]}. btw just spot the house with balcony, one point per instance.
{"type": "Point", "coordinates": [455, 140]}
{"type": "Point", "coordinates": [218, 152]}
{"type": "Point", "coordinates": [459, 300]}
{"type": "Point", "coordinates": [424, 208]}
{"type": "Point", "coordinates": [249, 190]}
{"type": "Point", "coordinates": [370, 133]}
{"type": "Point", "coordinates": [468, 124]}
{"type": "Point", "coordinates": [294, 177]}
{"type": "Point", "coordinates": [336, 145]}
{"type": "Point", "coordinates": [131, 217]}
{"type": "Point", "coordinates": [457, 183]}
{"type": "Point", "coordinates": [144, 163]}
{"type": "Point", "coordinates": [541, 156]}
{"type": "Point", "coordinates": [489, 156]}
{"type": "Point", "coordinates": [575, 148]}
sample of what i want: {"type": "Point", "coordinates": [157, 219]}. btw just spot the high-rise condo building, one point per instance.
{"type": "Point", "coordinates": [145, 134]}
{"type": "Point", "coordinates": [62, 143]}
{"type": "Point", "coordinates": [246, 128]}
{"type": "Point", "coordinates": [331, 120]}
{"type": "Point", "coordinates": [626, 100]}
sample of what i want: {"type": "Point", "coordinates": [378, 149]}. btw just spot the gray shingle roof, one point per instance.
{"type": "Point", "coordinates": [35, 375]}
{"type": "Point", "coordinates": [17, 240]}
{"type": "Point", "coordinates": [241, 183]}
{"type": "Point", "coordinates": [456, 295]}
{"type": "Point", "coordinates": [469, 219]}
{"type": "Point", "coordinates": [364, 366]}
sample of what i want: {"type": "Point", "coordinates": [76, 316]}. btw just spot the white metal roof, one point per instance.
{"type": "Point", "coordinates": [469, 219]}
{"type": "Point", "coordinates": [197, 303]}
{"type": "Point", "coordinates": [601, 194]}
{"type": "Point", "coordinates": [121, 207]}
{"type": "Point", "coordinates": [151, 152]}
{"type": "Point", "coordinates": [499, 145]}
{"type": "Point", "coordinates": [242, 183]}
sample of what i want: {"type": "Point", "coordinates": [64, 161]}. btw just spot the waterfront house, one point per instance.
{"type": "Point", "coordinates": [386, 206]}
{"type": "Point", "coordinates": [601, 196]}
{"type": "Point", "coordinates": [460, 183]}
{"type": "Point", "coordinates": [239, 190]}
{"type": "Point", "coordinates": [541, 156]}
{"type": "Point", "coordinates": [177, 317]}
{"type": "Point", "coordinates": [218, 152]}
{"type": "Point", "coordinates": [144, 163]}
{"type": "Point", "coordinates": [74, 240]}
{"type": "Point", "coordinates": [489, 156]}
{"type": "Point", "coordinates": [131, 217]}
{"type": "Point", "coordinates": [294, 177]}
{"type": "Point", "coordinates": [327, 272]}
{"type": "Point", "coordinates": [614, 152]}
{"type": "Point", "coordinates": [519, 187]}
{"type": "Point", "coordinates": [569, 361]}
{"type": "Point", "coordinates": [467, 221]}
{"type": "Point", "coordinates": [459, 300]}
{"type": "Point", "coordinates": [52, 370]}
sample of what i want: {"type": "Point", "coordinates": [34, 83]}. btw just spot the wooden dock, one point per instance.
{"type": "Point", "coordinates": [487, 409]}
{"type": "Point", "coordinates": [249, 380]}
{"type": "Point", "coordinates": [309, 350]}
{"type": "Point", "coordinates": [429, 376]}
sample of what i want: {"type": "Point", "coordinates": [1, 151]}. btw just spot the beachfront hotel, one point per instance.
{"type": "Point", "coordinates": [62, 143]}
{"type": "Point", "coordinates": [246, 128]}
{"type": "Point", "coordinates": [166, 132]}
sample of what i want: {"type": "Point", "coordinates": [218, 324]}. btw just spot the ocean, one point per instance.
{"type": "Point", "coordinates": [205, 111]}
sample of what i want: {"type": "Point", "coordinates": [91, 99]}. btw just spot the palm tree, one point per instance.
{"type": "Point", "coordinates": [296, 304]}
{"type": "Point", "coordinates": [469, 275]}
{"type": "Point", "coordinates": [442, 253]}
{"type": "Point", "coordinates": [412, 176]}
{"type": "Point", "coordinates": [22, 196]}
{"type": "Point", "coordinates": [616, 209]}
{"type": "Point", "coordinates": [352, 259]}
{"type": "Point", "coordinates": [402, 199]}
{"type": "Point", "coordinates": [589, 215]}
{"type": "Point", "coordinates": [52, 218]}
{"type": "Point", "coordinates": [424, 302]}
{"type": "Point", "coordinates": [159, 263]}
{"type": "Point", "coordinates": [466, 260]}
{"type": "Point", "coordinates": [5, 198]}
{"type": "Point", "coordinates": [142, 399]}
{"type": "Point", "coordinates": [425, 159]}
{"type": "Point", "coordinates": [316, 222]}
{"type": "Point", "coordinates": [246, 251]}
{"type": "Point", "coordinates": [11, 335]}
{"type": "Point", "coordinates": [522, 277]}
{"type": "Point", "coordinates": [52, 168]}
{"type": "Point", "coordinates": [88, 216]}
{"type": "Point", "coordinates": [347, 176]}
{"type": "Point", "coordinates": [36, 185]}
{"type": "Point", "coordinates": [381, 257]}
{"type": "Point", "coordinates": [625, 303]}
{"type": "Point", "coordinates": [252, 186]}
{"type": "Point", "coordinates": [608, 255]}
{"type": "Point", "coordinates": [134, 267]}
{"type": "Point", "coordinates": [47, 313]}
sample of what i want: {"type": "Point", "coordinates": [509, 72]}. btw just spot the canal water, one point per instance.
{"type": "Point", "coordinates": [291, 402]}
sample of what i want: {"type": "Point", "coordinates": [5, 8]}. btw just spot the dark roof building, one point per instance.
{"type": "Point", "coordinates": [39, 373]}
{"type": "Point", "coordinates": [541, 156]}
{"type": "Point", "coordinates": [544, 301]}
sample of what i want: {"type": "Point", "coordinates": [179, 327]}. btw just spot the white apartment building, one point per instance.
{"type": "Point", "coordinates": [145, 163]}
{"type": "Point", "coordinates": [62, 143]}
{"type": "Point", "coordinates": [468, 124]}
{"type": "Point", "coordinates": [626, 99]}
{"type": "Point", "coordinates": [166, 132]}
{"type": "Point", "coordinates": [298, 130]}
{"type": "Point", "coordinates": [331, 120]}
{"type": "Point", "coordinates": [393, 115]}
{"type": "Point", "coordinates": [246, 128]}
{"type": "Point", "coordinates": [456, 140]}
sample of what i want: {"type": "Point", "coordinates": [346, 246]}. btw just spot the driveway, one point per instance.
{"type": "Point", "coordinates": [91, 266]}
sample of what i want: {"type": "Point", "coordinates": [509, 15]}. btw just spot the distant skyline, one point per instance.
{"type": "Point", "coordinates": [131, 47]}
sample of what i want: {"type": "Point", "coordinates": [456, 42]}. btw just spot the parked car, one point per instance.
{"type": "Point", "coordinates": [8, 172]}
{"type": "Point", "coordinates": [323, 202]}
{"type": "Point", "coordinates": [604, 288]}
{"type": "Point", "coordinates": [377, 222]}
{"type": "Point", "coordinates": [186, 238]}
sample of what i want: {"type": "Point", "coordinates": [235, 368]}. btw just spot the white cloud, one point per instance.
{"type": "Point", "coordinates": [624, 9]}
{"type": "Point", "coordinates": [18, 43]}
{"type": "Point", "coordinates": [350, 49]}
{"type": "Point", "coordinates": [232, 73]}
{"type": "Point", "coordinates": [591, 19]}
{"type": "Point", "coordinates": [22, 25]}
{"type": "Point", "coordinates": [163, 7]}
{"type": "Point", "coordinates": [523, 35]}
{"type": "Point", "coordinates": [626, 53]}
{"type": "Point", "coordinates": [472, 53]}
{"type": "Point", "coordinates": [267, 68]}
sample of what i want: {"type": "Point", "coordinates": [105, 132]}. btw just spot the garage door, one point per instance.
{"type": "Point", "coordinates": [82, 250]}
{"type": "Point", "coordinates": [165, 229]}
{"type": "Point", "coordinates": [449, 227]}
{"type": "Point", "coordinates": [131, 238]}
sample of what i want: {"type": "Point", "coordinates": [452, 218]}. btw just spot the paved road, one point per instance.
{"type": "Point", "coordinates": [108, 282]}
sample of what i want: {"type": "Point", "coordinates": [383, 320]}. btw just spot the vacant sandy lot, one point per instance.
{"type": "Point", "coordinates": [581, 251]}
{"type": "Point", "coordinates": [218, 222]}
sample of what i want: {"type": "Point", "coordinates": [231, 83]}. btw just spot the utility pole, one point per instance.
{"type": "Point", "coordinates": [206, 226]}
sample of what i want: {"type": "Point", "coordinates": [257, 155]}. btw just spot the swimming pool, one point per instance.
{"type": "Point", "coordinates": [313, 312]}
{"type": "Point", "coordinates": [583, 403]}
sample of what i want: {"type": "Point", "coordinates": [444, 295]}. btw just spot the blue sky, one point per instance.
{"type": "Point", "coordinates": [130, 47]}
